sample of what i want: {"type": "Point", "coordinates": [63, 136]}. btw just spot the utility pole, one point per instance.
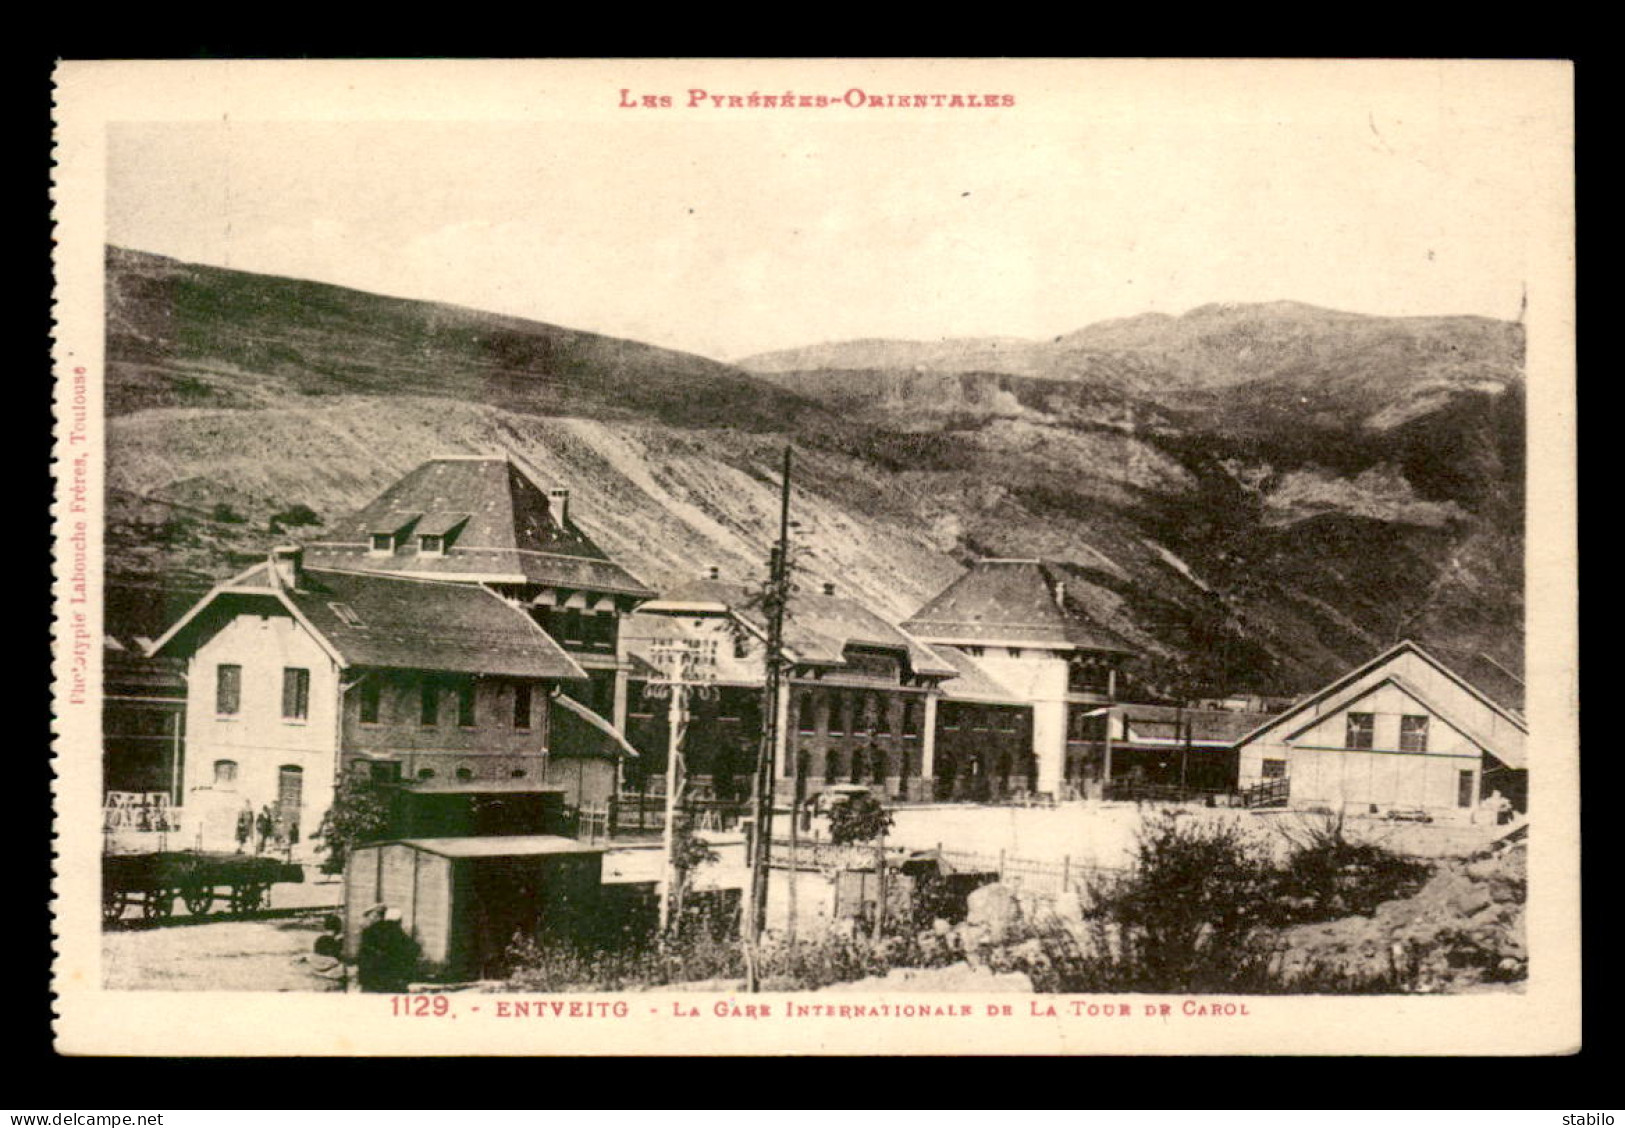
{"type": "Point", "coordinates": [777, 597]}
{"type": "Point", "coordinates": [685, 674]}
{"type": "Point", "coordinates": [674, 742]}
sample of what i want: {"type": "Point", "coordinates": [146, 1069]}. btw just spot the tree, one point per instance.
{"type": "Point", "coordinates": [859, 818]}
{"type": "Point", "coordinates": [294, 516]}
{"type": "Point", "coordinates": [359, 814]}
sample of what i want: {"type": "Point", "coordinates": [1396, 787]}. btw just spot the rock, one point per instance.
{"type": "Point", "coordinates": [1471, 900]}
{"type": "Point", "coordinates": [994, 908]}
{"type": "Point", "coordinates": [1069, 906]}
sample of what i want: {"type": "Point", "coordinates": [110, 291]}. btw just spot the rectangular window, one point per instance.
{"type": "Point", "coordinates": [228, 690]}
{"type": "Point", "coordinates": [430, 545]}
{"type": "Point", "coordinates": [837, 715]}
{"type": "Point", "coordinates": [371, 696]}
{"type": "Point", "coordinates": [1274, 769]}
{"type": "Point", "coordinates": [295, 694]}
{"type": "Point", "coordinates": [465, 703]}
{"type": "Point", "coordinates": [911, 718]}
{"type": "Point", "coordinates": [1362, 729]}
{"type": "Point", "coordinates": [1464, 789]}
{"type": "Point", "coordinates": [521, 706]}
{"type": "Point", "coordinates": [1413, 733]}
{"type": "Point", "coordinates": [429, 704]}
{"type": "Point", "coordinates": [383, 542]}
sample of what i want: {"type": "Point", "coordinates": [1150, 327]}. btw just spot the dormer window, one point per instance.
{"type": "Point", "coordinates": [436, 531]}
{"type": "Point", "coordinates": [383, 543]}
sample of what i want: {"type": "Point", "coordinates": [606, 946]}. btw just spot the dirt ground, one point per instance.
{"type": "Point", "coordinates": [261, 955]}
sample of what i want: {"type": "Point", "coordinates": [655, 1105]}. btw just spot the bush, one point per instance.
{"type": "Point", "coordinates": [806, 965]}
{"type": "Point", "coordinates": [293, 517]}
{"type": "Point", "coordinates": [359, 814]}
{"type": "Point", "coordinates": [1328, 875]}
{"type": "Point", "coordinates": [225, 514]}
{"type": "Point", "coordinates": [1196, 898]}
{"type": "Point", "coordinates": [860, 818]}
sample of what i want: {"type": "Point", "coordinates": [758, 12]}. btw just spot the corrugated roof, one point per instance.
{"type": "Point", "coordinates": [511, 529]}
{"type": "Point", "coordinates": [499, 846]}
{"type": "Point", "coordinates": [386, 621]}
{"type": "Point", "coordinates": [1207, 726]}
{"type": "Point", "coordinates": [1013, 601]}
{"type": "Point", "coordinates": [478, 787]}
{"type": "Point", "coordinates": [819, 627]}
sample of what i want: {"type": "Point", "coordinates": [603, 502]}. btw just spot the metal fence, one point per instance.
{"type": "Point", "coordinates": [1035, 877]}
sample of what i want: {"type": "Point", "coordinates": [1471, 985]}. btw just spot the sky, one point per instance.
{"type": "Point", "coordinates": [730, 236]}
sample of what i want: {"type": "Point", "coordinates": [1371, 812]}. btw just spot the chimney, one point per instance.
{"type": "Point", "coordinates": [1060, 594]}
{"type": "Point", "coordinates": [288, 566]}
{"type": "Point", "coordinates": [558, 500]}
{"type": "Point", "coordinates": [829, 589]}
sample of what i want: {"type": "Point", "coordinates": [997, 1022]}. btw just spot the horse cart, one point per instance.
{"type": "Point", "coordinates": [153, 881]}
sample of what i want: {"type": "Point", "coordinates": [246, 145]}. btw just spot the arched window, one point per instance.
{"type": "Point", "coordinates": [425, 773]}
{"type": "Point", "coordinates": [832, 766]}
{"type": "Point", "coordinates": [808, 719]}
{"type": "Point", "coordinates": [225, 773]}
{"type": "Point", "coordinates": [290, 789]}
{"type": "Point", "coordinates": [464, 772]}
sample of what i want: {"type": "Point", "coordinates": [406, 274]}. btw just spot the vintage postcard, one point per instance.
{"type": "Point", "coordinates": [816, 557]}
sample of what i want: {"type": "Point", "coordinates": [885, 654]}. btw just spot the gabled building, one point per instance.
{"type": "Point", "coordinates": [1404, 732]}
{"type": "Point", "coordinates": [983, 736]}
{"type": "Point", "coordinates": [143, 697]}
{"type": "Point", "coordinates": [484, 519]}
{"type": "Point", "coordinates": [861, 704]}
{"type": "Point", "coordinates": [1013, 619]}
{"type": "Point", "coordinates": [296, 675]}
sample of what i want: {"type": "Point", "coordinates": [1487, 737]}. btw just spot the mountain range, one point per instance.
{"type": "Point", "coordinates": [1252, 496]}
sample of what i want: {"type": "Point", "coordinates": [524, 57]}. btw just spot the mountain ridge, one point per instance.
{"type": "Point", "coordinates": [1255, 534]}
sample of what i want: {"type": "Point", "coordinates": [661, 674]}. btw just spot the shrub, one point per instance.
{"type": "Point", "coordinates": [226, 515]}
{"type": "Point", "coordinates": [359, 814]}
{"type": "Point", "coordinates": [1187, 914]}
{"type": "Point", "coordinates": [1328, 875]}
{"type": "Point", "coordinates": [294, 516]}
{"type": "Point", "coordinates": [860, 818]}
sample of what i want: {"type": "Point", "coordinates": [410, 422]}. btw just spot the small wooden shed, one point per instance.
{"type": "Point", "coordinates": [464, 900]}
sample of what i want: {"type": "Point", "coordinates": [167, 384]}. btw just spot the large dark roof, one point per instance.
{"type": "Point", "coordinates": [818, 628]}
{"type": "Point", "coordinates": [499, 521]}
{"type": "Point", "coordinates": [1010, 601]}
{"type": "Point", "coordinates": [392, 622]}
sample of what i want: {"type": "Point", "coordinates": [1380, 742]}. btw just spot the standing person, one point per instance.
{"type": "Point", "coordinates": [245, 827]}
{"type": "Point", "coordinates": [266, 826]}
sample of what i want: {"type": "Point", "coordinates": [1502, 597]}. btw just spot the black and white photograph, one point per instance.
{"type": "Point", "coordinates": [900, 544]}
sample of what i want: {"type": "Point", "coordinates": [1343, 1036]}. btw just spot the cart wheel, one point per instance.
{"type": "Point", "coordinates": [114, 902]}
{"type": "Point", "coordinates": [199, 899]}
{"type": "Point", "coordinates": [159, 904]}
{"type": "Point", "coordinates": [248, 898]}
